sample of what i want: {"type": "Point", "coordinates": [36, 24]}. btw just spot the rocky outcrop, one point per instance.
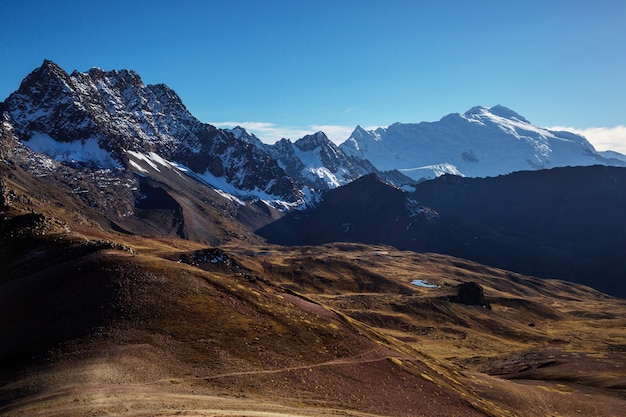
{"type": "Point", "coordinates": [471, 294]}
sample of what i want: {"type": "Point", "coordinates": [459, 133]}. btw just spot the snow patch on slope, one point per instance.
{"type": "Point", "coordinates": [314, 166]}
{"type": "Point", "coordinates": [227, 190]}
{"type": "Point", "coordinates": [153, 160]}
{"type": "Point", "coordinates": [85, 151]}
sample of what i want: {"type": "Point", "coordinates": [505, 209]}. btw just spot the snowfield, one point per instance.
{"type": "Point", "coordinates": [79, 151]}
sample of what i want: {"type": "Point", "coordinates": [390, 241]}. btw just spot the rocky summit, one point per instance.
{"type": "Point", "coordinates": [114, 113]}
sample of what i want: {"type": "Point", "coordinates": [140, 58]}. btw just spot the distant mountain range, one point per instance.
{"type": "Point", "coordinates": [103, 118]}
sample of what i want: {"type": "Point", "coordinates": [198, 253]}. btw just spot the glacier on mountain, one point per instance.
{"type": "Point", "coordinates": [478, 143]}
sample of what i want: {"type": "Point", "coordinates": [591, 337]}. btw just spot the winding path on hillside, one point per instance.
{"type": "Point", "coordinates": [359, 358]}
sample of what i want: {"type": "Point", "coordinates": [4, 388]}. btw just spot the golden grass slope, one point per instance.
{"type": "Point", "coordinates": [174, 327]}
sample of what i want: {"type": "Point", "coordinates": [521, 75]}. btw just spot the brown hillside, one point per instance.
{"type": "Point", "coordinates": [177, 309]}
{"type": "Point", "coordinates": [173, 327]}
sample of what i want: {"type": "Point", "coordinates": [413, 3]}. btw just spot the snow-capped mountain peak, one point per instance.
{"type": "Point", "coordinates": [497, 110]}
{"type": "Point", "coordinates": [506, 113]}
{"type": "Point", "coordinates": [478, 143]}
{"type": "Point", "coordinates": [325, 151]}
{"type": "Point", "coordinates": [242, 134]}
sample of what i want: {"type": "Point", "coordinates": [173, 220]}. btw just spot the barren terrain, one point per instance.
{"type": "Point", "coordinates": [173, 327]}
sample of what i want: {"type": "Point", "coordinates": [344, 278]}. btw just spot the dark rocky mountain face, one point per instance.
{"type": "Point", "coordinates": [159, 201]}
{"type": "Point", "coordinates": [565, 223]}
{"type": "Point", "coordinates": [122, 114]}
{"type": "Point", "coordinates": [366, 210]}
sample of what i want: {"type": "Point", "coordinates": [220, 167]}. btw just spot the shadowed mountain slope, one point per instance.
{"type": "Point", "coordinates": [565, 223]}
{"type": "Point", "coordinates": [367, 210]}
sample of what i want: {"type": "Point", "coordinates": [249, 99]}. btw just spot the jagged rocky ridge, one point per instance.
{"type": "Point", "coordinates": [105, 115]}
{"type": "Point", "coordinates": [317, 162]}
{"type": "Point", "coordinates": [110, 119]}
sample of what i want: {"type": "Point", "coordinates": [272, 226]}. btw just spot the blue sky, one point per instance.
{"type": "Point", "coordinates": [288, 68]}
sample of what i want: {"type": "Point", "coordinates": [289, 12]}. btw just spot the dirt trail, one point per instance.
{"type": "Point", "coordinates": [354, 360]}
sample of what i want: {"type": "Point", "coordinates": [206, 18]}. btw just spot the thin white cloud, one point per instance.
{"type": "Point", "coordinates": [271, 132]}
{"type": "Point", "coordinates": [267, 132]}
{"type": "Point", "coordinates": [602, 138]}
